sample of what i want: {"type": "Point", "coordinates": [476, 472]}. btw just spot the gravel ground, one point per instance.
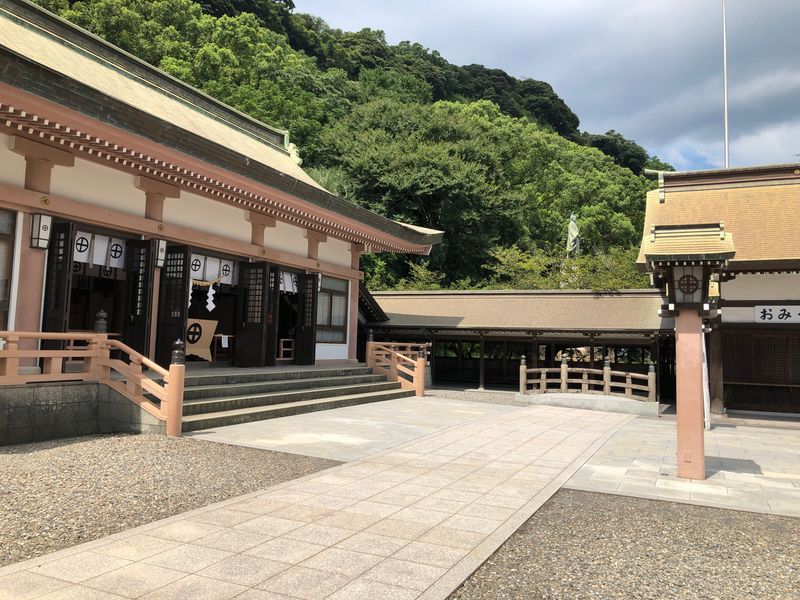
{"type": "Point", "coordinates": [64, 492]}
{"type": "Point", "coordinates": [589, 545]}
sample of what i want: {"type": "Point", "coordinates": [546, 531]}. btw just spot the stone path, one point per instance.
{"type": "Point", "coordinates": [748, 468]}
{"type": "Point", "coordinates": [352, 432]}
{"type": "Point", "coordinates": [410, 522]}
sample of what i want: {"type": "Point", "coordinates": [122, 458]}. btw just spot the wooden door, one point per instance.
{"type": "Point", "coordinates": [173, 304]}
{"type": "Point", "coordinates": [58, 289]}
{"type": "Point", "coordinates": [306, 339]}
{"type": "Point", "coordinates": [251, 335]}
{"type": "Point", "coordinates": [140, 258]}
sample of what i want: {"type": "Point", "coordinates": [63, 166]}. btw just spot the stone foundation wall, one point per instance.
{"type": "Point", "coordinates": [45, 411]}
{"type": "Point", "coordinates": [117, 414]}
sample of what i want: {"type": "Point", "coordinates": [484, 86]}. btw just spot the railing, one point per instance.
{"type": "Point", "coordinates": [97, 365]}
{"type": "Point", "coordinates": [404, 363]}
{"type": "Point", "coordinates": [603, 381]}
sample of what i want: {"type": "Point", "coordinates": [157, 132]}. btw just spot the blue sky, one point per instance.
{"type": "Point", "coordinates": [651, 69]}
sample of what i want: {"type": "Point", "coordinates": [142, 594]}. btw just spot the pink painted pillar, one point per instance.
{"type": "Point", "coordinates": [689, 383]}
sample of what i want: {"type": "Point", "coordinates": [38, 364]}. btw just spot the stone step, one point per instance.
{"type": "Point", "coordinates": [250, 388]}
{"type": "Point", "coordinates": [233, 376]}
{"type": "Point", "coordinates": [227, 403]}
{"type": "Point", "coordinates": [197, 422]}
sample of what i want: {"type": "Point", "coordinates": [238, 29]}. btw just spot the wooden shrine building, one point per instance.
{"type": "Point", "coordinates": [126, 192]}
{"type": "Point", "coordinates": [752, 311]}
{"type": "Point", "coordinates": [478, 337]}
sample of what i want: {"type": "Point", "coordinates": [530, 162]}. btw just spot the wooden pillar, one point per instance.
{"type": "Point", "coordinates": [657, 361]}
{"type": "Point", "coordinates": [259, 223]}
{"type": "Point", "coordinates": [151, 350]}
{"type": "Point", "coordinates": [155, 193]}
{"type": "Point", "coordinates": [39, 162]}
{"type": "Point", "coordinates": [591, 352]}
{"type": "Point", "coordinates": [314, 240]}
{"type": "Point", "coordinates": [535, 353]}
{"type": "Point", "coordinates": [432, 359]}
{"type": "Point", "coordinates": [352, 324]}
{"type": "Point", "coordinates": [481, 364]}
{"type": "Point", "coordinates": [175, 385]}
{"type": "Point", "coordinates": [715, 372]}
{"type": "Point", "coordinates": [689, 386]}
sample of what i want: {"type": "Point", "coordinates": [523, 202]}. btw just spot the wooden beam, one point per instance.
{"type": "Point", "coordinates": [156, 186]}
{"type": "Point", "coordinates": [29, 201]}
{"type": "Point", "coordinates": [356, 250]}
{"type": "Point", "coordinates": [258, 226]}
{"type": "Point", "coordinates": [31, 149]}
{"type": "Point", "coordinates": [314, 238]}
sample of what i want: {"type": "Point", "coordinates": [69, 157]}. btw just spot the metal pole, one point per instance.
{"type": "Point", "coordinates": [725, 78]}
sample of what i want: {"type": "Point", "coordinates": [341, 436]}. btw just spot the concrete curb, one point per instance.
{"type": "Point", "coordinates": [592, 402]}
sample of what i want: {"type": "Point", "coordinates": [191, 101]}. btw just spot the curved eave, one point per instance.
{"type": "Point", "coordinates": [38, 115]}
{"type": "Point", "coordinates": [246, 180]}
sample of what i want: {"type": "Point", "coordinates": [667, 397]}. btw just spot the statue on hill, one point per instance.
{"type": "Point", "coordinates": [573, 237]}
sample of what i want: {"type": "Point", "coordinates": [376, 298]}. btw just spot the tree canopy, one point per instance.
{"type": "Point", "coordinates": [496, 162]}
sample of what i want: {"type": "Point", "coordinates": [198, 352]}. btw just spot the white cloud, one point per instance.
{"type": "Point", "coordinates": [648, 68]}
{"type": "Point", "coordinates": [765, 86]}
{"type": "Point", "coordinates": [687, 154]}
{"type": "Point", "coordinates": [773, 144]}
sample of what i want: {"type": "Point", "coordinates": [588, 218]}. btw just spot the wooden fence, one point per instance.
{"type": "Point", "coordinates": [577, 379]}
{"type": "Point", "coordinates": [404, 363]}
{"type": "Point", "coordinates": [91, 353]}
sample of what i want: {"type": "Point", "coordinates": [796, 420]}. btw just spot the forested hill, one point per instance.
{"type": "Point", "coordinates": [498, 163]}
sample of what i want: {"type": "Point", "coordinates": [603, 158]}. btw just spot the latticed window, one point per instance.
{"type": "Point", "coordinates": [173, 290]}
{"type": "Point", "coordinates": [253, 283]}
{"type": "Point", "coordinates": [138, 274]}
{"type": "Point", "coordinates": [332, 311]}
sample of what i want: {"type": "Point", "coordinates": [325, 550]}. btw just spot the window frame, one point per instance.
{"type": "Point", "coordinates": [327, 326]}
{"type": "Point", "coordinates": [10, 238]}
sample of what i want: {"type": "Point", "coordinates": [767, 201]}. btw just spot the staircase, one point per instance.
{"type": "Point", "coordinates": [232, 397]}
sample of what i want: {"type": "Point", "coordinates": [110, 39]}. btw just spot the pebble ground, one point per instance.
{"type": "Point", "coordinates": [60, 493]}
{"type": "Point", "coordinates": [590, 545]}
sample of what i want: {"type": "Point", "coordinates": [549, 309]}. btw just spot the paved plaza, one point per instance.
{"type": "Point", "coordinates": [747, 468]}
{"type": "Point", "coordinates": [353, 432]}
{"type": "Point", "coordinates": [415, 511]}
{"type": "Point", "coordinates": [410, 522]}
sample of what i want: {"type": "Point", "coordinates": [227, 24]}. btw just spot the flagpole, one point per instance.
{"type": "Point", "coordinates": [725, 79]}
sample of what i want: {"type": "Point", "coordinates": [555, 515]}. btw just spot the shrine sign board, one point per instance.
{"type": "Point", "coordinates": [777, 314]}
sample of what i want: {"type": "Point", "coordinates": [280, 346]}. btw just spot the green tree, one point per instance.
{"type": "Point", "coordinates": [484, 178]}
{"type": "Point", "coordinates": [490, 159]}
{"type": "Point", "coordinates": [421, 277]}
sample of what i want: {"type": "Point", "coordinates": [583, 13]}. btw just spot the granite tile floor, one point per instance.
{"type": "Point", "coordinates": [409, 522]}
{"type": "Point", "coordinates": [747, 468]}
{"type": "Point", "coordinates": [352, 432]}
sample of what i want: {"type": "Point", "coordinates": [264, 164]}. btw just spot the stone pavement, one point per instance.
{"type": "Point", "coordinates": [410, 522]}
{"type": "Point", "coordinates": [352, 432]}
{"type": "Point", "coordinates": [748, 468]}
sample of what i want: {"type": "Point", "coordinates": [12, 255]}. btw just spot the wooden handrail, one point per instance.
{"type": "Point", "coordinates": [97, 367]}
{"type": "Point", "coordinates": [46, 335]}
{"type": "Point", "coordinates": [539, 380]}
{"type": "Point", "coordinates": [392, 359]}
{"type": "Point", "coordinates": [139, 357]}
